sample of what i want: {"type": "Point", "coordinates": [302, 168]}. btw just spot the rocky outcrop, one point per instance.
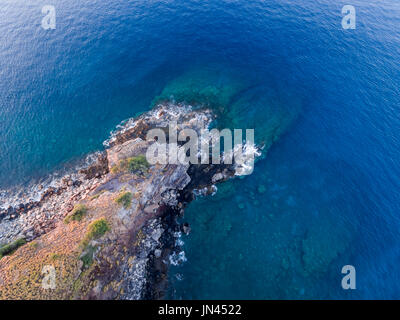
{"type": "Point", "coordinates": [119, 246]}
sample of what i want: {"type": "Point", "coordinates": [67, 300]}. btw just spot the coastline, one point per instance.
{"type": "Point", "coordinates": [131, 260]}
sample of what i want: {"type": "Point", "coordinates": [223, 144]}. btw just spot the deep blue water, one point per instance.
{"type": "Point", "coordinates": [327, 192]}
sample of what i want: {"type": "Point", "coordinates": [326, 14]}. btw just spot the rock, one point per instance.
{"type": "Point", "coordinates": [217, 177]}
{"type": "Point", "coordinates": [157, 234]}
{"type": "Point", "coordinates": [151, 208]}
{"type": "Point", "coordinates": [186, 228]}
{"type": "Point", "coordinates": [157, 253]}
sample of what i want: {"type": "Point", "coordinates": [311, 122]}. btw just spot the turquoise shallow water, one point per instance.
{"type": "Point", "coordinates": [325, 194]}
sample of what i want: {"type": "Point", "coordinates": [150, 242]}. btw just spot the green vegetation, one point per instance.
{"type": "Point", "coordinates": [87, 257]}
{"type": "Point", "coordinates": [10, 248]}
{"type": "Point", "coordinates": [124, 199]}
{"type": "Point", "coordinates": [115, 169]}
{"type": "Point", "coordinates": [77, 214]}
{"type": "Point", "coordinates": [95, 230]}
{"type": "Point", "coordinates": [97, 195]}
{"type": "Point", "coordinates": [33, 244]}
{"type": "Point", "coordinates": [137, 164]}
{"type": "Point", "coordinates": [54, 256]}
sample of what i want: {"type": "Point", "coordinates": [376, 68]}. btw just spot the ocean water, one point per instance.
{"type": "Point", "coordinates": [326, 192]}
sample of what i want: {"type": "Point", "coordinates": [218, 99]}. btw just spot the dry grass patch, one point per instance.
{"type": "Point", "coordinates": [96, 230]}
{"type": "Point", "coordinates": [77, 214]}
{"type": "Point", "coordinates": [124, 199]}
{"type": "Point", "coordinates": [137, 165]}
{"type": "Point", "coordinates": [10, 248]}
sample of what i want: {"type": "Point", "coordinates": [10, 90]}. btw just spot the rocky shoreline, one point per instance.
{"type": "Point", "coordinates": [130, 261]}
{"type": "Point", "coordinates": [30, 218]}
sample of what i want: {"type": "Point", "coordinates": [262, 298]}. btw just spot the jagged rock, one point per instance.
{"type": "Point", "coordinates": [157, 253]}
{"type": "Point", "coordinates": [217, 177]}
{"type": "Point", "coordinates": [186, 228]}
